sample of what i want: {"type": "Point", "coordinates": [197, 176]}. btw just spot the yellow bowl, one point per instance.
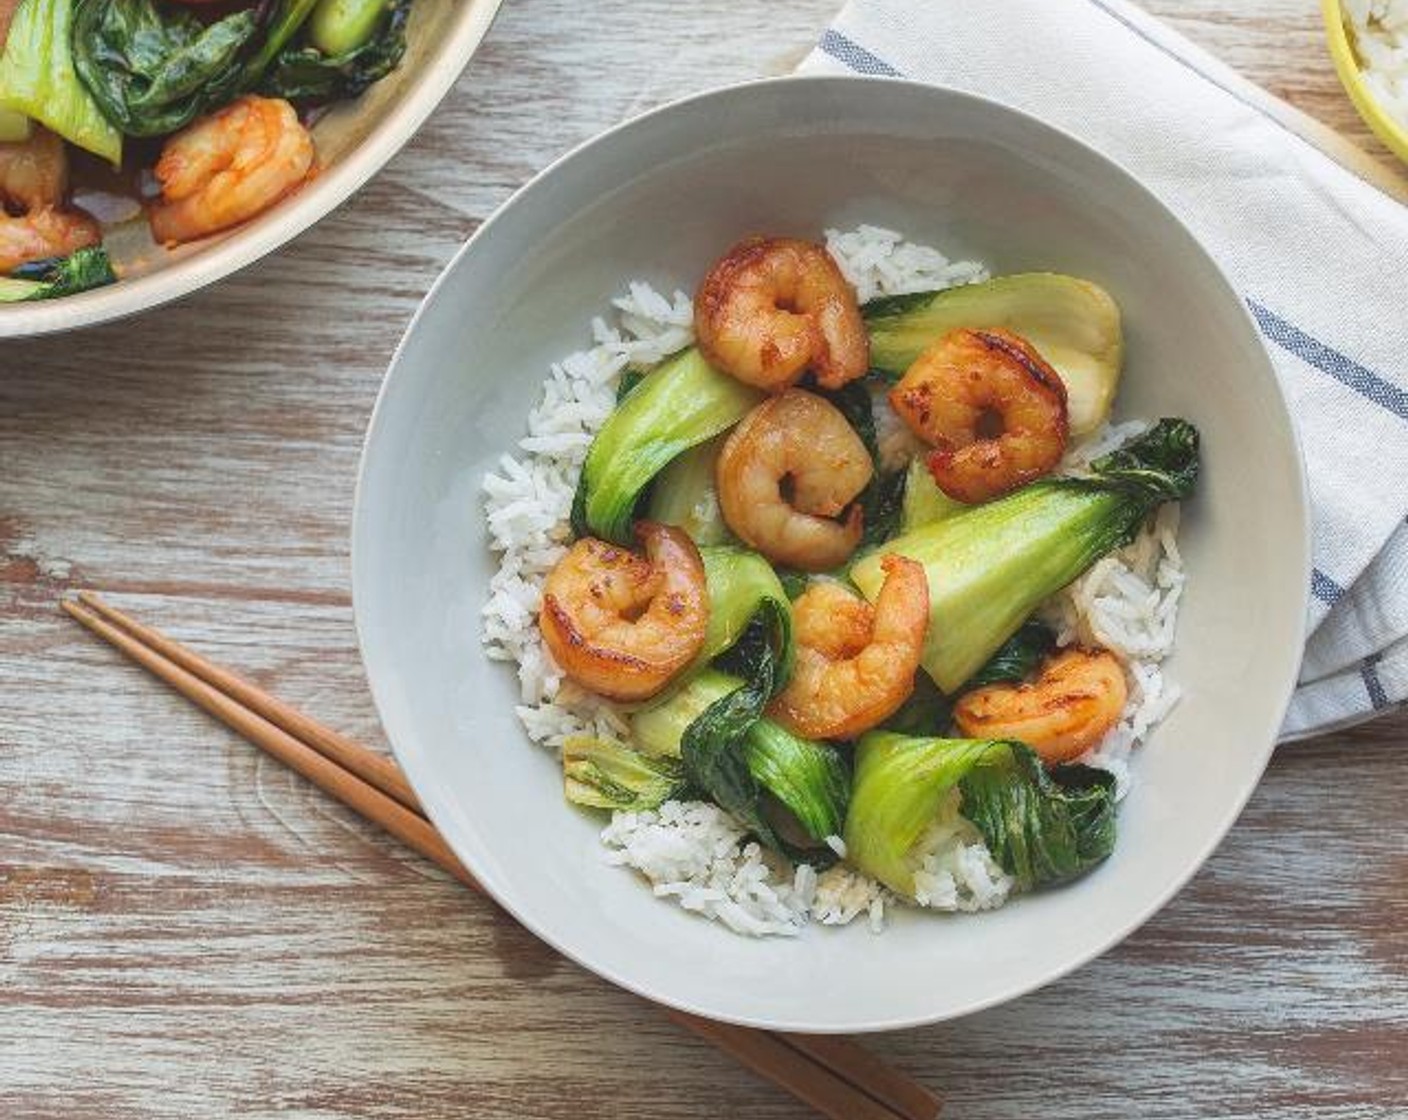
{"type": "Point", "coordinates": [1384, 125]}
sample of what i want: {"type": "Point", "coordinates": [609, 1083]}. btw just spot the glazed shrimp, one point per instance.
{"type": "Point", "coordinates": [33, 181]}
{"type": "Point", "coordinates": [228, 167]}
{"type": "Point", "coordinates": [855, 662]}
{"type": "Point", "coordinates": [993, 408]}
{"type": "Point", "coordinates": [622, 624]}
{"type": "Point", "coordinates": [786, 472]}
{"type": "Point", "coordinates": [1076, 698]}
{"type": "Point", "coordinates": [773, 308]}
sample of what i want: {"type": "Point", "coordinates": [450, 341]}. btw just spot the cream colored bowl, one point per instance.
{"type": "Point", "coordinates": [659, 198]}
{"type": "Point", "coordinates": [355, 140]}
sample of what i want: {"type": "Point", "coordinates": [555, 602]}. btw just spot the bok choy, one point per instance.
{"type": "Point", "coordinates": [605, 775]}
{"type": "Point", "coordinates": [352, 44]}
{"type": "Point", "coordinates": [1074, 325]}
{"type": "Point", "coordinates": [1042, 827]}
{"type": "Point", "coordinates": [154, 69]}
{"type": "Point", "coordinates": [685, 494]}
{"type": "Point", "coordinates": [87, 268]}
{"type": "Point", "coordinates": [744, 762]}
{"type": "Point", "coordinates": [38, 79]}
{"type": "Point", "coordinates": [678, 405]}
{"type": "Point", "coordinates": [991, 565]}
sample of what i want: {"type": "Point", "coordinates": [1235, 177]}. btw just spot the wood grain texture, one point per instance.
{"type": "Point", "coordinates": [186, 929]}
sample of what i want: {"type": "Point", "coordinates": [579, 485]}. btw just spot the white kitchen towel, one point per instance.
{"type": "Point", "coordinates": [1312, 231]}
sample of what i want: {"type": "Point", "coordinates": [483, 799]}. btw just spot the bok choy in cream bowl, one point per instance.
{"type": "Point", "coordinates": [831, 554]}
{"type": "Point", "coordinates": [148, 147]}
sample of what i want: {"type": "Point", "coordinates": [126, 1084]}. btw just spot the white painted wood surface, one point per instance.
{"type": "Point", "coordinates": [188, 930]}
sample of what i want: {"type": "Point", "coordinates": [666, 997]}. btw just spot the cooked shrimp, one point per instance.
{"type": "Point", "coordinates": [34, 172]}
{"type": "Point", "coordinates": [786, 472]}
{"type": "Point", "coordinates": [1076, 698]}
{"type": "Point", "coordinates": [993, 408]}
{"type": "Point", "coordinates": [228, 167]}
{"type": "Point", "coordinates": [45, 233]}
{"type": "Point", "coordinates": [774, 308]}
{"type": "Point", "coordinates": [622, 624]}
{"type": "Point", "coordinates": [855, 662]}
{"type": "Point", "coordinates": [33, 181]}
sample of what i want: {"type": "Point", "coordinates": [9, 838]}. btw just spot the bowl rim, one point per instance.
{"type": "Point", "coordinates": [1380, 121]}
{"type": "Point", "coordinates": [280, 225]}
{"type": "Point", "coordinates": [427, 788]}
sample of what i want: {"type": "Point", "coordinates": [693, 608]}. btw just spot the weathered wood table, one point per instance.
{"type": "Point", "coordinates": [188, 930]}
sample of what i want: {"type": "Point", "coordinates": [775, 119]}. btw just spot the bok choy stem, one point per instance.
{"type": "Point", "coordinates": [991, 565]}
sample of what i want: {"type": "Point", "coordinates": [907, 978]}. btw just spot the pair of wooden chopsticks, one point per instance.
{"type": "Point", "coordinates": [834, 1075]}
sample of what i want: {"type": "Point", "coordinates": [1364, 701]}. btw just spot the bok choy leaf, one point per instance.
{"type": "Point", "coordinates": [84, 269]}
{"type": "Point", "coordinates": [991, 565]}
{"type": "Point", "coordinates": [154, 69]}
{"type": "Point", "coordinates": [1042, 827]}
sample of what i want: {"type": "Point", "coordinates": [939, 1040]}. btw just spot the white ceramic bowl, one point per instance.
{"type": "Point", "coordinates": [659, 198]}
{"type": "Point", "coordinates": [355, 140]}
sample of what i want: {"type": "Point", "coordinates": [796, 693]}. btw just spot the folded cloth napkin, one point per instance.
{"type": "Point", "coordinates": [1311, 231]}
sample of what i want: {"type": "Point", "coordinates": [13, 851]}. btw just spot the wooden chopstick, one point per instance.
{"type": "Point", "coordinates": [410, 828]}
{"type": "Point", "coordinates": [833, 1074]}
{"type": "Point", "coordinates": [377, 769]}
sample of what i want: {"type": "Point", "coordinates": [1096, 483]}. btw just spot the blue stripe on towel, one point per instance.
{"type": "Point", "coordinates": [1368, 669]}
{"type": "Point", "coordinates": [1324, 588]}
{"type": "Point", "coordinates": [855, 56]}
{"type": "Point", "coordinates": [1342, 368]}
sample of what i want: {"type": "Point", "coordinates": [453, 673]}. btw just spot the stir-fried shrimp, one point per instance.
{"type": "Point", "coordinates": [42, 234]}
{"type": "Point", "coordinates": [855, 662]}
{"type": "Point", "coordinates": [993, 408]}
{"type": "Point", "coordinates": [789, 469]}
{"type": "Point", "coordinates": [228, 167]}
{"type": "Point", "coordinates": [33, 224]}
{"type": "Point", "coordinates": [1074, 701]}
{"type": "Point", "coordinates": [622, 624]}
{"type": "Point", "coordinates": [773, 308]}
{"type": "Point", "coordinates": [34, 172]}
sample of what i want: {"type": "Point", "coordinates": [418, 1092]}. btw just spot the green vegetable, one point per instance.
{"type": "Point", "coordinates": [659, 729]}
{"type": "Point", "coordinates": [288, 19]}
{"type": "Point", "coordinates": [1042, 828]}
{"type": "Point", "coordinates": [924, 502]}
{"type": "Point", "coordinates": [1018, 657]}
{"type": "Point", "coordinates": [325, 69]}
{"type": "Point", "coordinates": [898, 787]}
{"type": "Point", "coordinates": [38, 79]}
{"type": "Point", "coordinates": [684, 494]}
{"type": "Point", "coordinates": [881, 500]}
{"type": "Point", "coordinates": [154, 70]}
{"type": "Point", "coordinates": [339, 26]}
{"type": "Point", "coordinates": [14, 127]}
{"type": "Point", "coordinates": [682, 403]}
{"type": "Point", "coordinates": [605, 775]}
{"type": "Point", "coordinates": [740, 584]}
{"type": "Point", "coordinates": [736, 757]}
{"type": "Point", "coordinates": [990, 565]}
{"type": "Point", "coordinates": [84, 269]}
{"type": "Point", "coordinates": [809, 778]}
{"type": "Point", "coordinates": [1074, 325]}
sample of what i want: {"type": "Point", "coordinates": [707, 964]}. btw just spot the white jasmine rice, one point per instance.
{"type": "Point", "coordinates": [694, 852]}
{"type": "Point", "coordinates": [1380, 33]}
